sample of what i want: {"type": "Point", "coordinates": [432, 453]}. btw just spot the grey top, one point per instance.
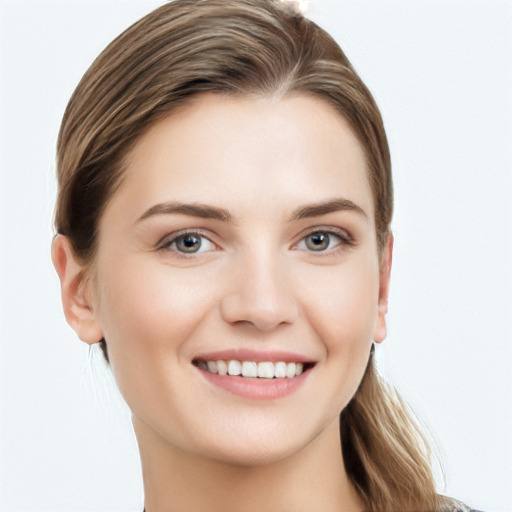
{"type": "Point", "coordinates": [456, 506]}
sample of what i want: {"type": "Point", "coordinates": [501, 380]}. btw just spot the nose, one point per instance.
{"type": "Point", "coordinates": [260, 294]}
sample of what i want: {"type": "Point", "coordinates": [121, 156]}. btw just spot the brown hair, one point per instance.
{"type": "Point", "coordinates": [240, 48]}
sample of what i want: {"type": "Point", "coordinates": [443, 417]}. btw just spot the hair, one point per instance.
{"type": "Point", "coordinates": [241, 48]}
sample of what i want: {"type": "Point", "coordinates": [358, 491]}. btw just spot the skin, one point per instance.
{"type": "Point", "coordinates": [255, 283]}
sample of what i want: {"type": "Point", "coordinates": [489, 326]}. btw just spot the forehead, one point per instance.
{"type": "Point", "coordinates": [248, 152]}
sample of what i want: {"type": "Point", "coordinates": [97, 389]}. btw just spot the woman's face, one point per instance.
{"type": "Point", "coordinates": [243, 231]}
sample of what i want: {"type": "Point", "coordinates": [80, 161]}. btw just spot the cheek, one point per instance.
{"type": "Point", "coordinates": [343, 306]}
{"type": "Point", "coordinates": [147, 312]}
{"type": "Point", "coordinates": [343, 312]}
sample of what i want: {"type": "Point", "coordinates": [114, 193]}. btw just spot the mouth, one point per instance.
{"type": "Point", "coordinates": [261, 370]}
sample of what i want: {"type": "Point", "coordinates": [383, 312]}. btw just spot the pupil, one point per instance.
{"type": "Point", "coordinates": [318, 241]}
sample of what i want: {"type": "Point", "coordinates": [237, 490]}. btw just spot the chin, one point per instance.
{"type": "Point", "coordinates": [254, 455]}
{"type": "Point", "coordinates": [269, 443]}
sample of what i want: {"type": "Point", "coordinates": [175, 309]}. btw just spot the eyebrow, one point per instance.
{"type": "Point", "coordinates": [325, 207]}
{"type": "Point", "coordinates": [202, 211]}
{"type": "Point", "coordinates": [205, 211]}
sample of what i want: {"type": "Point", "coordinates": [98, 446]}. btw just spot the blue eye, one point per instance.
{"type": "Point", "coordinates": [190, 243]}
{"type": "Point", "coordinates": [323, 241]}
{"type": "Point", "coordinates": [318, 241]}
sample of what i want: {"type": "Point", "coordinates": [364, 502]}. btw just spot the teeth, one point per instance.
{"type": "Point", "coordinates": [280, 370]}
{"type": "Point", "coordinates": [290, 370]}
{"type": "Point", "coordinates": [249, 369]}
{"type": "Point", "coordinates": [252, 369]}
{"type": "Point", "coordinates": [222, 367]}
{"type": "Point", "coordinates": [234, 368]}
{"type": "Point", "coordinates": [266, 370]}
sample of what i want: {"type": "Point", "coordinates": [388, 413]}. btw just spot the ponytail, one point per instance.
{"type": "Point", "coordinates": [386, 454]}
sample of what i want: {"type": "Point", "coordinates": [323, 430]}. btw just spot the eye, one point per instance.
{"type": "Point", "coordinates": [322, 241]}
{"type": "Point", "coordinates": [189, 243]}
{"type": "Point", "coordinates": [318, 241]}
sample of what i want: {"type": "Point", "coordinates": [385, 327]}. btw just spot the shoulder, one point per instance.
{"type": "Point", "coordinates": [452, 505]}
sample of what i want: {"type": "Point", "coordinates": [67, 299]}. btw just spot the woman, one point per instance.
{"type": "Point", "coordinates": [224, 213]}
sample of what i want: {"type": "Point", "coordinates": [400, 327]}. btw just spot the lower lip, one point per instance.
{"type": "Point", "coordinates": [256, 389]}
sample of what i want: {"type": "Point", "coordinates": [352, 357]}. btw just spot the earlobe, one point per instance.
{"type": "Point", "coordinates": [74, 293]}
{"type": "Point", "coordinates": [384, 281]}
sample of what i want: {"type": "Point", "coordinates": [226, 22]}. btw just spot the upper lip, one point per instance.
{"type": "Point", "coordinates": [254, 355]}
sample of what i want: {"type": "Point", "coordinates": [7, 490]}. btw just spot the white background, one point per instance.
{"type": "Point", "coordinates": [441, 71]}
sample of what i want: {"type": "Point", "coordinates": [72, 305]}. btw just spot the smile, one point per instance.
{"type": "Point", "coordinates": [253, 369]}
{"type": "Point", "coordinates": [255, 374]}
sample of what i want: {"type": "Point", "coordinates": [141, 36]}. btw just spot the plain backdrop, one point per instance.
{"type": "Point", "coordinates": [441, 71]}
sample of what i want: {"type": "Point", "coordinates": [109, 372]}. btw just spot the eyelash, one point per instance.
{"type": "Point", "coordinates": [345, 239]}
{"type": "Point", "coordinates": [182, 235]}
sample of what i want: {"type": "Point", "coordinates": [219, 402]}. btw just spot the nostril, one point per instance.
{"type": "Point", "coordinates": [263, 315]}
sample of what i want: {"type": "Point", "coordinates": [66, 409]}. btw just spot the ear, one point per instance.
{"type": "Point", "coordinates": [74, 291]}
{"type": "Point", "coordinates": [384, 277]}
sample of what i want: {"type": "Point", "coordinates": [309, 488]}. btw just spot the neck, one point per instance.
{"type": "Point", "coordinates": [312, 479]}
